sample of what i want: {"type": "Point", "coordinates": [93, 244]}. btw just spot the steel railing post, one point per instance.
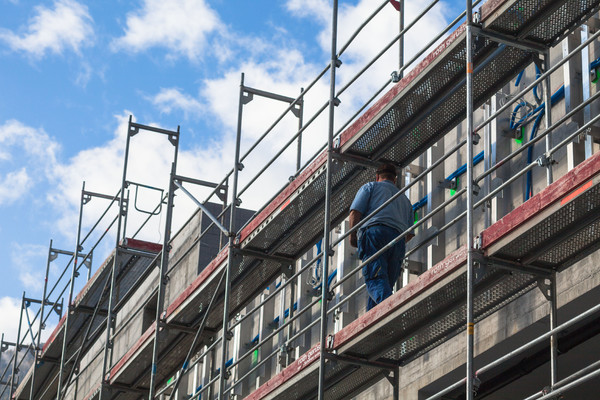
{"type": "Point", "coordinates": [469, 239]}
{"type": "Point", "coordinates": [71, 288]}
{"type": "Point", "coordinates": [41, 323]}
{"type": "Point", "coordinates": [164, 266]}
{"type": "Point", "coordinates": [17, 347]}
{"type": "Point", "coordinates": [554, 337]}
{"type": "Point", "coordinates": [548, 116]}
{"type": "Point", "coordinates": [328, 183]}
{"type": "Point", "coordinates": [232, 236]}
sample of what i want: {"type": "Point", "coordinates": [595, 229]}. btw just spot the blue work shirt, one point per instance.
{"type": "Point", "coordinates": [397, 215]}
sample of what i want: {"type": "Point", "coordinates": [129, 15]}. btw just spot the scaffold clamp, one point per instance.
{"type": "Point", "coordinates": [329, 342]}
{"type": "Point", "coordinates": [544, 160]}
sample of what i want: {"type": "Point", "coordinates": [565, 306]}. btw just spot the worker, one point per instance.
{"type": "Point", "coordinates": [395, 218]}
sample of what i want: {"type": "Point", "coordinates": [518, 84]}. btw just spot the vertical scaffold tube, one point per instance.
{"type": "Point", "coordinates": [553, 338]}
{"type": "Point", "coordinates": [401, 41]}
{"type": "Point", "coordinates": [230, 254]}
{"type": "Point", "coordinates": [327, 224]}
{"type": "Point", "coordinates": [17, 347]}
{"type": "Point", "coordinates": [469, 239]}
{"type": "Point", "coordinates": [41, 323]}
{"type": "Point", "coordinates": [548, 115]}
{"type": "Point", "coordinates": [164, 267]}
{"type": "Point", "coordinates": [109, 317]}
{"type": "Point", "coordinates": [71, 288]}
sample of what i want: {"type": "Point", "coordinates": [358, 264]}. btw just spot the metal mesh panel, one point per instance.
{"type": "Point", "coordinates": [441, 314]}
{"type": "Point", "coordinates": [348, 379]}
{"type": "Point", "coordinates": [548, 28]}
{"type": "Point", "coordinates": [542, 238]}
{"type": "Point", "coordinates": [573, 245]}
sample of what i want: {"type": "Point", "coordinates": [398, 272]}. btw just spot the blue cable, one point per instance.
{"type": "Point", "coordinates": [557, 96]}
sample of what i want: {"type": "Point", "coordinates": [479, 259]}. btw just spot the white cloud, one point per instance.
{"type": "Point", "coordinates": [11, 310]}
{"type": "Point", "coordinates": [168, 100]}
{"type": "Point", "coordinates": [67, 26]}
{"type": "Point", "coordinates": [26, 259]}
{"type": "Point", "coordinates": [318, 9]}
{"type": "Point", "coordinates": [180, 26]}
{"type": "Point", "coordinates": [14, 185]}
{"type": "Point", "coordinates": [37, 157]}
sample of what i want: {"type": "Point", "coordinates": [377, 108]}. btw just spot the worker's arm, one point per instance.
{"type": "Point", "coordinates": [409, 236]}
{"type": "Point", "coordinates": [355, 218]}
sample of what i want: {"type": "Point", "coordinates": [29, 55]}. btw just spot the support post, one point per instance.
{"type": "Point", "coordinates": [71, 288]}
{"type": "Point", "coordinates": [17, 347]}
{"type": "Point", "coordinates": [401, 40]}
{"type": "Point", "coordinates": [164, 266]}
{"type": "Point", "coordinates": [328, 183]}
{"type": "Point", "coordinates": [548, 115]}
{"type": "Point", "coordinates": [230, 254]}
{"type": "Point", "coordinates": [300, 116]}
{"type": "Point", "coordinates": [554, 337]}
{"type": "Point", "coordinates": [469, 239]}
{"type": "Point", "coordinates": [41, 322]}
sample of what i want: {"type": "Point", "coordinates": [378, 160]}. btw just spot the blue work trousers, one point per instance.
{"type": "Point", "coordinates": [381, 273]}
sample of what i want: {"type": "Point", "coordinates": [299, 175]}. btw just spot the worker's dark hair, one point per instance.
{"type": "Point", "coordinates": [387, 171]}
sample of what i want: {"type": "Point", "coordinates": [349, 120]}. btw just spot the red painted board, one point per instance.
{"type": "Point", "coordinates": [54, 333]}
{"type": "Point", "coordinates": [127, 356]}
{"type": "Point", "coordinates": [401, 297]}
{"type": "Point", "coordinates": [206, 272]}
{"type": "Point", "coordinates": [288, 373]}
{"type": "Point", "coordinates": [570, 181]}
{"type": "Point", "coordinates": [142, 245]}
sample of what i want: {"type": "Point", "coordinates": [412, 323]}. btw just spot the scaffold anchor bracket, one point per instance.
{"type": "Point", "coordinates": [545, 286]}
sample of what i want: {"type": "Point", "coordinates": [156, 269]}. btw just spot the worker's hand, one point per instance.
{"type": "Point", "coordinates": [353, 240]}
{"type": "Point", "coordinates": [409, 236]}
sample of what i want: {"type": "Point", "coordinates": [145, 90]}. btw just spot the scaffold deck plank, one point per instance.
{"type": "Point", "coordinates": [431, 309]}
{"type": "Point", "coordinates": [135, 257]}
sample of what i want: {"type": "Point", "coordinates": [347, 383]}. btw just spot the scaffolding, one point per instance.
{"type": "Point", "coordinates": [185, 325]}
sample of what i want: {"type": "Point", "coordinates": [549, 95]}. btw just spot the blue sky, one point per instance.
{"type": "Point", "coordinates": [73, 71]}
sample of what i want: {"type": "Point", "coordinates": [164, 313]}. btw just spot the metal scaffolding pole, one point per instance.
{"type": "Point", "coordinates": [17, 348]}
{"type": "Point", "coordinates": [41, 323]}
{"type": "Point", "coordinates": [469, 239]}
{"type": "Point", "coordinates": [401, 41]}
{"type": "Point", "coordinates": [553, 338]}
{"type": "Point", "coordinates": [231, 256]}
{"type": "Point", "coordinates": [109, 318]}
{"type": "Point", "coordinates": [327, 225]}
{"type": "Point", "coordinates": [71, 288]}
{"type": "Point", "coordinates": [548, 115]}
{"type": "Point", "coordinates": [164, 263]}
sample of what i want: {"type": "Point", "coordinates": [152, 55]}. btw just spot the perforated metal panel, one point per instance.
{"type": "Point", "coordinates": [562, 237]}
{"type": "Point", "coordinates": [530, 19]}
{"type": "Point", "coordinates": [345, 380]}
{"type": "Point", "coordinates": [131, 264]}
{"type": "Point", "coordinates": [440, 314]}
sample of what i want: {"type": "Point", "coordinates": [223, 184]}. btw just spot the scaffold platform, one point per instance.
{"type": "Point", "coordinates": [135, 258]}
{"type": "Point", "coordinates": [413, 115]}
{"type": "Point", "coordinates": [550, 231]}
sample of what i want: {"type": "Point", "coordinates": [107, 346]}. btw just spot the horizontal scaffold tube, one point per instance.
{"type": "Point", "coordinates": [521, 349]}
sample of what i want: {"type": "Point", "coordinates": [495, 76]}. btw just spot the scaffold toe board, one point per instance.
{"type": "Point", "coordinates": [134, 259]}
{"type": "Point", "coordinates": [431, 309]}
{"type": "Point", "coordinates": [555, 228]}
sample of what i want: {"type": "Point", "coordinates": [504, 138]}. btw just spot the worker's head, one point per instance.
{"type": "Point", "coordinates": [386, 172]}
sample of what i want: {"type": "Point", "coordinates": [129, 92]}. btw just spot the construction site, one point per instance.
{"type": "Point", "coordinates": [493, 127]}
